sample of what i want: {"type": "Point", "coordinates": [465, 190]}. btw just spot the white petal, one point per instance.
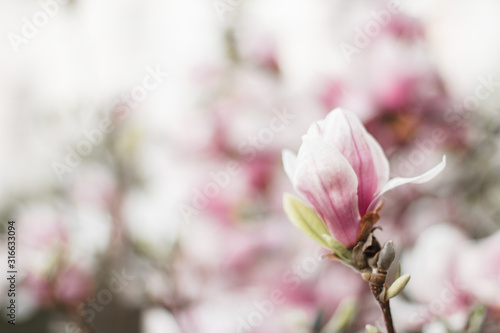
{"type": "Point", "coordinates": [289, 164]}
{"type": "Point", "coordinates": [398, 181]}
{"type": "Point", "coordinates": [316, 129]}
{"type": "Point", "coordinates": [379, 161]}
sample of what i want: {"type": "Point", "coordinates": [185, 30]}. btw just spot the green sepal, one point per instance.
{"type": "Point", "coordinates": [307, 221]}
{"type": "Point", "coordinates": [343, 317]}
{"type": "Point", "coordinates": [338, 248]}
{"type": "Point", "coordinates": [398, 273]}
{"type": "Point", "coordinates": [476, 319]}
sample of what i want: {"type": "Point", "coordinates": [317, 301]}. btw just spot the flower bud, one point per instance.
{"type": "Point", "coordinates": [386, 256]}
{"type": "Point", "coordinates": [343, 317]}
{"type": "Point", "coordinates": [397, 287]}
{"type": "Point", "coordinates": [371, 329]}
{"type": "Point", "coordinates": [342, 173]}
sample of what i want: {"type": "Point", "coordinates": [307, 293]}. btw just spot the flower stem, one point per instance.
{"type": "Point", "coordinates": [376, 288]}
{"type": "Point", "coordinates": [386, 310]}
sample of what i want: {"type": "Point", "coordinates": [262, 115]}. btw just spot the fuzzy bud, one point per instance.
{"type": "Point", "coordinates": [386, 256]}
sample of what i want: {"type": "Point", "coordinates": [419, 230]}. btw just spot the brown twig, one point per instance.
{"type": "Point", "coordinates": [386, 310]}
{"type": "Point", "coordinates": [373, 261]}
{"type": "Point", "coordinates": [378, 287]}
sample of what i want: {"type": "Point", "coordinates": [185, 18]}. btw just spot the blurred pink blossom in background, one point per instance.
{"type": "Point", "coordinates": [181, 195]}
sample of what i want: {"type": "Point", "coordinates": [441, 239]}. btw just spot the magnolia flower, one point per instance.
{"type": "Point", "coordinates": [342, 172]}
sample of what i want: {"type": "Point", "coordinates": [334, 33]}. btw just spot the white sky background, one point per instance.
{"type": "Point", "coordinates": [87, 54]}
{"type": "Point", "coordinates": [92, 50]}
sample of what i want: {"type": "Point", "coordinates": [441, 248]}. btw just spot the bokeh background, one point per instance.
{"type": "Point", "coordinates": [140, 156]}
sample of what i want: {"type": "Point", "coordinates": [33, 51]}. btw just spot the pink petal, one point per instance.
{"type": "Point", "coordinates": [398, 181]}
{"type": "Point", "coordinates": [343, 131]}
{"type": "Point", "coordinates": [380, 161]}
{"type": "Point", "coordinates": [325, 178]}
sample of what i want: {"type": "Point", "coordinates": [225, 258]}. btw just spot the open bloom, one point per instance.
{"type": "Point", "coordinates": [342, 172]}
